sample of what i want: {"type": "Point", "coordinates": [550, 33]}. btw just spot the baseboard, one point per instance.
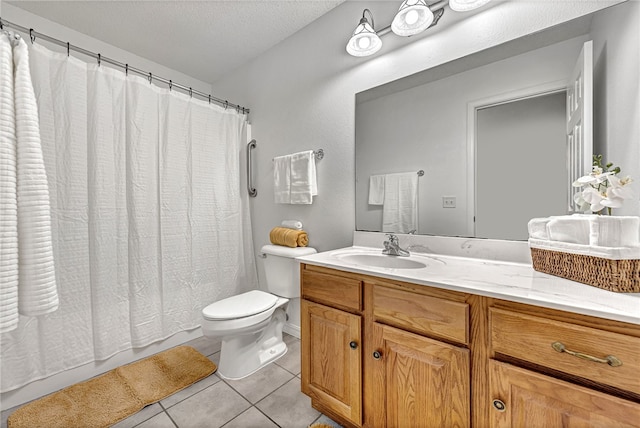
{"type": "Point", "coordinates": [293, 330]}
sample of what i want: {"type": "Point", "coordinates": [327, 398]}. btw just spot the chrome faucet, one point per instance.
{"type": "Point", "coordinates": [392, 247]}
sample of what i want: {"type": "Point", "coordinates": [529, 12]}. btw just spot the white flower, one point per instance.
{"type": "Point", "coordinates": [593, 179]}
{"type": "Point", "coordinates": [601, 189]}
{"type": "Point", "coordinates": [594, 198]}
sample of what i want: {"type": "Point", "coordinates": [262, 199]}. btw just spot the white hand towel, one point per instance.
{"type": "Point", "coordinates": [282, 179]}
{"type": "Point", "coordinates": [574, 229]}
{"type": "Point", "coordinates": [400, 208]}
{"type": "Point", "coordinates": [615, 231]}
{"type": "Point", "coordinates": [538, 228]}
{"type": "Point", "coordinates": [8, 195]}
{"type": "Point", "coordinates": [37, 292]}
{"type": "Point", "coordinates": [292, 224]}
{"type": "Point", "coordinates": [303, 177]}
{"type": "Point", "coordinates": [376, 190]}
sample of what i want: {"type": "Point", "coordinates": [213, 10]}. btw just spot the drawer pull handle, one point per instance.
{"type": "Point", "coordinates": [377, 355]}
{"type": "Point", "coordinates": [609, 359]}
{"type": "Point", "coordinates": [353, 344]}
{"type": "Point", "coordinates": [499, 405]}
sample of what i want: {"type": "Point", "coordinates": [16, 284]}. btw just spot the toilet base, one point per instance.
{"type": "Point", "coordinates": [243, 355]}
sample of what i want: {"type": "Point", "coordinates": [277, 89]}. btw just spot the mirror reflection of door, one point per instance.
{"type": "Point", "coordinates": [532, 129]}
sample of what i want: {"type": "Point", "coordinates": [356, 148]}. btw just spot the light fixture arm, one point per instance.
{"type": "Point", "coordinates": [364, 20]}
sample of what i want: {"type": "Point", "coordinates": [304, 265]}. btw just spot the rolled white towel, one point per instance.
{"type": "Point", "coordinates": [574, 229]}
{"type": "Point", "coordinates": [538, 228]}
{"type": "Point", "coordinates": [292, 224]}
{"type": "Point", "coordinates": [615, 231]}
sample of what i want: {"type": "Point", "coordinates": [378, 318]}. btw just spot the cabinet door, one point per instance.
{"type": "Point", "coordinates": [331, 359]}
{"type": "Point", "coordinates": [524, 398]}
{"type": "Point", "coordinates": [423, 382]}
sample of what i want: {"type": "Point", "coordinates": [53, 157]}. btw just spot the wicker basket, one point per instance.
{"type": "Point", "coordinates": [621, 276]}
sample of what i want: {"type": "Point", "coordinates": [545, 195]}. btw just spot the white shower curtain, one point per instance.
{"type": "Point", "coordinates": [149, 220]}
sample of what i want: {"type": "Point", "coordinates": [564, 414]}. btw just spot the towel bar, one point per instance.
{"type": "Point", "coordinates": [252, 190]}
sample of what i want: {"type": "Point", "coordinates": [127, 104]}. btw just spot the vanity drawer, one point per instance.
{"type": "Point", "coordinates": [336, 291]}
{"type": "Point", "coordinates": [530, 338]}
{"type": "Point", "coordinates": [432, 316]}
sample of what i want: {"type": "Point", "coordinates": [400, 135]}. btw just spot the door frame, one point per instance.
{"type": "Point", "coordinates": [472, 109]}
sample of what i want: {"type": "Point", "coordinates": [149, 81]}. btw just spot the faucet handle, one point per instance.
{"type": "Point", "coordinates": [393, 239]}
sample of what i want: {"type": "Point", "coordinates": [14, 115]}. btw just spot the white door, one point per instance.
{"type": "Point", "coordinates": [580, 120]}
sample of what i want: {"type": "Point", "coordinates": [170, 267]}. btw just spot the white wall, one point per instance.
{"type": "Point", "coordinates": [425, 127]}
{"type": "Point", "coordinates": [66, 34]}
{"type": "Point", "coordinates": [616, 57]}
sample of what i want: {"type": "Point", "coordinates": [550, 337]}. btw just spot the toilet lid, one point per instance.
{"type": "Point", "coordinates": [240, 306]}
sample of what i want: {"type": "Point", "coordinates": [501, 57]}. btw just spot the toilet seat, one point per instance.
{"type": "Point", "coordinates": [240, 306]}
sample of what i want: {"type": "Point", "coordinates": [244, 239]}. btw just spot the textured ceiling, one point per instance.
{"type": "Point", "coordinates": [203, 39]}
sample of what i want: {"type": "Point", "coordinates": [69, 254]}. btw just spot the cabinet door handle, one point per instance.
{"type": "Point", "coordinates": [353, 344]}
{"type": "Point", "coordinates": [499, 405]}
{"type": "Point", "coordinates": [609, 359]}
{"type": "Point", "coordinates": [377, 355]}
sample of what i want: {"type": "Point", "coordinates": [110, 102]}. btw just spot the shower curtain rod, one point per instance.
{"type": "Point", "coordinates": [34, 35]}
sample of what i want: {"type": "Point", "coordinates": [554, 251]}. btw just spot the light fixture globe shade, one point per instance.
{"type": "Point", "coordinates": [364, 41]}
{"type": "Point", "coordinates": [466, 5]}
{"type": "Point", "coordinates": [413, 17]}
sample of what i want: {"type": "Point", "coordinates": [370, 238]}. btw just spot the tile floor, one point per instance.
{"type": "Point", "coordinates": [269, 398]}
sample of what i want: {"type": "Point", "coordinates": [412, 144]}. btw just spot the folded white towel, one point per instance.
{"type": "Point", "coordinates": [282, 179]}
{"type": "Point", "coordinates": [538, 228]}
{"type": "Point", "coordinates": [612, 253]}
{"type": "Point", "coordinates": [8, 193]}
{"type": "Point", "coordinates": [376, 190]}
{"type": "Point", "coordinates": [573, 229]}
{"type": "Point", "coordinates": [400, 208]}
{"type": "Point", "coordinates": [37, 292]}
{"type": "Point", "coordinates": [303, 177]}
{"type": "Point", "coordinates": [292, 224]}
{"type": "Point", "coordinates": [615, 231]}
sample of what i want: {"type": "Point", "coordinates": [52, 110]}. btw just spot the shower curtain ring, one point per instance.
{"type": "Point", "coordinates": [226, 104]}
{"type": "Point", "coordinates": [170, 84]}
{"type": "Point", "coordinates": [190, 92]}
{"type": "Point", "coordinates": [33, 38]}
{"type": "Point", "coordinates": [150, 77]}
{"type": "Point", "coordinates": [209, 98]}
{"type": "Point", "coordinates": [68, 48]}
{"type": "Point", "coordinates": [99, 59]}
{"type": "Point", "coordinates": [1, 24]}
{"type": "Point", "coordinates": [126, 69]}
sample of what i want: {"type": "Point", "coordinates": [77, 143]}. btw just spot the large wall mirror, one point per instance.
{"type": "Point", "coordinates": [489, 132]}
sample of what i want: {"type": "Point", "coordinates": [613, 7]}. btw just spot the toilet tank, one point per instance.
{"type": "Point", "coordinates": [282, 270]}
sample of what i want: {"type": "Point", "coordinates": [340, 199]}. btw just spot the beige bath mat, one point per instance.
{"type": "Point", "coordinates": [117, 394]}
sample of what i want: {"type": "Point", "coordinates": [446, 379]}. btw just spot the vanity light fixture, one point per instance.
{"type": "Point", "coordinates": [466, 5]}
{"type": "Point", "coordinates": [364, 41]}
{"type": "Point", "coordinates": [413, 17]}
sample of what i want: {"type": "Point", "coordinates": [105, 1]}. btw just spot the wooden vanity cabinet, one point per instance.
{"type": "Point", "coordinates": [381, 353]}
{"type": "Point", "coordinates": [380, 349]}
{"type": "Point", "coordinates": [553, 369]}
{"type": "Point", "coordinates": [331, 339]}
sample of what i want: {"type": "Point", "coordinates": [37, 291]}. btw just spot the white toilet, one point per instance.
{"type": "Point", "coordinates": [250, 324]}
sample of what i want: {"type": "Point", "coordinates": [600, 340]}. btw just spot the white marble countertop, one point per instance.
{"type": "Point", "coordinates": [513, 281]}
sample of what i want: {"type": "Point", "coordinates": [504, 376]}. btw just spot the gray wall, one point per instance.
{"type": "Point", "coordinates": [533, 131]}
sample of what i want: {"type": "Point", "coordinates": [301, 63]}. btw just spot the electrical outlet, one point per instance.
{"type": "Point", "coordinates": [448, 202]}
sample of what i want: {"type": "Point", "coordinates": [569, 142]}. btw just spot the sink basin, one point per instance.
{"type": "Point", "coordinates": [382, 261]}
